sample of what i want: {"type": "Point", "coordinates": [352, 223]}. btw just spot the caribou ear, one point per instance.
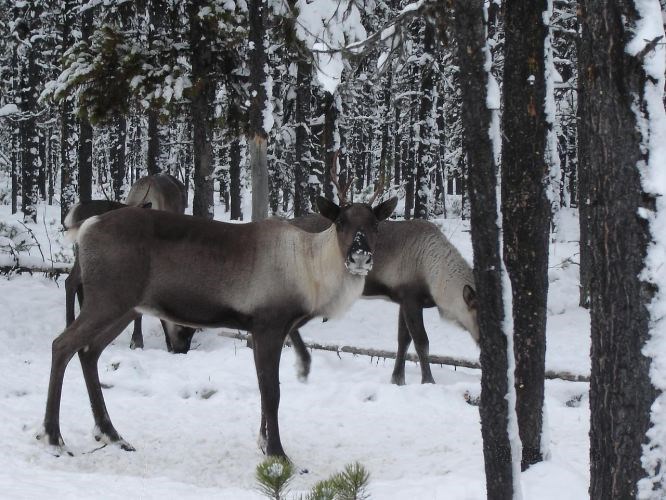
{"type": "Point", "coordinates": [470, 297]}
{"type": "Point", "coordinates": [385, 209]}
{"type": "Point", "coordinates": [328, 209]}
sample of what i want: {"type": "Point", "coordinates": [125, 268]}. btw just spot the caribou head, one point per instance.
{"type": "Point", "coordinates": [356, 226]}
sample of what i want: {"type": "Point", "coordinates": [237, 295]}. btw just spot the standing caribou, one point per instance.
{"type": "Point", "coordinates": [267, 277]}
{"type": "Point", "coordinates": [159, 192]}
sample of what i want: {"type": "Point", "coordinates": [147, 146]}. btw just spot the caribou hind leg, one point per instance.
{"type": "Point", "coordinates": [104, 430]}
{"type": "Point", "coordinates": [88, 331]}
{"type": "Point", "coordinates": [404, 339]}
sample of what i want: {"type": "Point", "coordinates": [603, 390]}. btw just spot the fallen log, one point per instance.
{"type": "Point", "coordinates": [380, 353]}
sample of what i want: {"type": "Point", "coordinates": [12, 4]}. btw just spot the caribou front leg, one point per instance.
{"type": "Point", "coordinates": [413, 315]}
{"type": "Point", "coordinates": [303, 357]}
{"type": "Point", "coordinates": [267, 351]}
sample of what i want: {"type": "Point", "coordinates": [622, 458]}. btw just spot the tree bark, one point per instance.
{"type": "Point", "coordinates": [157, 10]}
{"type": "Point", "coordinates": [302, 166]}
{"type": "Point", "coordinates": [526, 210]}
{"type": "Point", "coordinates": [85, 144]}
{"type": "Point", "coordinates": [258, 135]}
{"type": "Point", "coordinates": [469, 31]}
{"type": "Point", "coordinates": [330, 144]}
{"type": "Point", "coordinates": [425, 134]}
{"type": "Point", "coordinates": [621, 394]}
{"type": "Point", "coordinates": [117, 155]}
{"type": "Point", "coordinates": [202, 106]}
{"type": "Point", "coordinates": [28, 119]}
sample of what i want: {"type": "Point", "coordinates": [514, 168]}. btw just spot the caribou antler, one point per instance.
{"type": "Point", "coordinates": [342, 192]}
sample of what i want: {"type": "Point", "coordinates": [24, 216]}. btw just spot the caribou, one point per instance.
{"type": "Point", "coordinates": [159, 192]}
{"type": "Point", "coordinates": [266, 277]}
{"type": "Point", "coordinates": [417, 267]}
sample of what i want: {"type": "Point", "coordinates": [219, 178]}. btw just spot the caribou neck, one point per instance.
{"type": "Point", "coordinates": [333, 287]}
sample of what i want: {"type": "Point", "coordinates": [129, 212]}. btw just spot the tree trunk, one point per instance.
{"type": "Point", "coordinates": [610, 83]}
{"type": "Point", "coordinates": [42, 163]}
{"type": "Point", "coordinates": [396, 151]}
{"type": "Point", "coordinates": [409, 168]}
{"type": "Point", "coordinates": [28, 121]}
{"type": "Point", "coordinates": [157, 10]}
{"type": "Point", "coordinates": [302, 163]}
{"type": "Point", "coordinates": [259, 106]}
{"type": "Point", "coordinates": [201, 114]}
{"type": "Point", "coordinates": [117, 155]}
{"type": "Point", "coordinates": [526, 210]}
{"type": "Point", "coordinates": [153, 151]}
{"type": "Point", "coordinates": [85, 144]}
{"type": "Point", "coordinates": [16, 145]}
{"type": "Point", "coordinates": [330, 144]}
{"type": "Point", "coordinates": [476, 117]}
{"type": "Point", "coordinates": [425, 134]}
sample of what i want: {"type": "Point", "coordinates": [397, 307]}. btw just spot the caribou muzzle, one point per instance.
{"type": "Point", "coordinates": [359, 257]}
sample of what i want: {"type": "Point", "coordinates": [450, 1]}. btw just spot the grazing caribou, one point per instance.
{"type": "Point", "coordinates": [267, 277]}
{"type": "Point", "coordinates": [160, 192]}
{"type": "Point", "coordinates": [416, 267]}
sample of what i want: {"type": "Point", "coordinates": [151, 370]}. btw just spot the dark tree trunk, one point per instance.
{"type": "Point", "coordinates": [360, 154]}
{"type": "Point", "coordinates": [476, 117]}
{"type": "Point", "coordinates": [330, 127]}
{"type": "Point", "coordinates": [258, 135]}
{"type": "Point", "coordinates": [117, 155]}
{"type": "Point", "coordinates": [610, 143]}
{"type": "Point", "coordinates": [409, 168]}
{"type": "Point", "coordinates": [43, 162]}
{"type": "Point", "coordinates": [302, 163]}
{"type": "Point", "coordinates": [153, 151]}
{"type": "Point", "coordinates": [396, 150]}
{"type": "Point", "coordinates": [28, 122]}
{"type": "Point", "coordinates": [157, 10]}
{"type": "Point", "coordinates": [201, 110]}
{"type": "Point", "coordinates": [235, 164]}
{"type": "Point", "coordinates": [16, 146]}
{"type": "Point", "coordinates": [423, 160]}
{"type": "Point", "coordinates": [52, 171]}
{"type": "Point", "coordinates": [526, 210]}
{"type": "Point", "coordinates": [235, 179]}
{"type": "Point", "coordinates": [85, 144]}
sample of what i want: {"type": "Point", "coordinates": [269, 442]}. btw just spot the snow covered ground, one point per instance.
{"type": "Point", "coordinates": [194, 418]}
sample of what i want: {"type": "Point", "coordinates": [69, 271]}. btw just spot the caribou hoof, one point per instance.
{"type": "Point", "coordinates": [54, 445]}
{"type": "Point", "coordinates": [428, 380]}
{"type": "Point", "coordinates": [136, 345]}
{"type": "Point", "coordinates": [116, 440]}
{"type": "Point", "coordinates": [398, 379]}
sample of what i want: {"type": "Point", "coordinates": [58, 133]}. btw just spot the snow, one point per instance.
{"type": "Point", "coordinates": [327, 27]}
{"type": "Point", "coordinates": [8, 109]}
{"type": "Point", "coordinates": [194, 418]}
